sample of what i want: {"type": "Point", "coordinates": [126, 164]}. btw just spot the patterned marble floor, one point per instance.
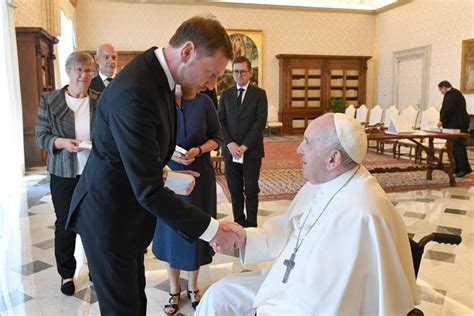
{"type": "Point", "coordinates": [29, 283]}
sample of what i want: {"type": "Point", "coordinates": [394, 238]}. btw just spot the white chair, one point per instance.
{"type": "Point", "coordinates": [350, 110]}
{"type": "Point", "coordinates": [361, 114]}
{"type": "Point", "coordinates": [375, 115]}
{"type": "Point", "coordinates": [272, 121]}
{"type": "Point", "coordinates": [389, 113]}
{"type": "Point", "coordinates": [429, 120]}
{"type": "Point", "coordinates": [410, 114]}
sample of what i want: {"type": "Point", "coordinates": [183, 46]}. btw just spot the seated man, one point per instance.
{"type": "Point", "coordinates": [340, 249]}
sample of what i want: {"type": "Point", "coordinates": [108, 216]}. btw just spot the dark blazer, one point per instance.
{"type": "Point", "coordinates": [244, 126]}
{"type": "Point", "coordinates": [55, 120]}
{"type": "Point", "coordinates": [97, 84]}
{"type": "Point", "coordinates": [453, 112]}
{"type": "Point", "coordinates": [121, 189]}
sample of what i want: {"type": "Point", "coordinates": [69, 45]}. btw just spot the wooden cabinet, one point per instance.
{"type": "Point", "coordinates": [307, 82]}
{"type": "Point", "coordinates": [35, 60]}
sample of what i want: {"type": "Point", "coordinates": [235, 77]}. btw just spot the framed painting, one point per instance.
{"type": "Point", "coordinates": [246, 43]}
{"type": "Point", "coordinates": [467, 66]}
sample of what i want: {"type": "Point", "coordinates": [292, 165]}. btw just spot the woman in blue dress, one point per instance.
{"type": "Point", "coordinates": [199, 132]}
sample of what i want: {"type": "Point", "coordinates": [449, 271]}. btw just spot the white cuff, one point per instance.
{"type": "Point", "coordinates": [210, 231]}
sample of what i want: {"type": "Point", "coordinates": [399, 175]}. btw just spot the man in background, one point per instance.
{"type": "Point", "coordinates": [243, 115]}
{"type": "Point", "coordinates": [106, 60]}
{"type": "Point", "coordinates": [453, 114]}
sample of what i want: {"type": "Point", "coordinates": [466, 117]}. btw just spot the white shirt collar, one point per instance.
{"type": "Point", "coordinates": [162, 60]}
{"type": "Point", "coordinates": [334, 184]}
{"type": "Point", "coordinates": [104, 77]}
{"type": "Point", "coordinates": [243, 87]}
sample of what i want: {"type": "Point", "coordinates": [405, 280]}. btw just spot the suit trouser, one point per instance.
{"type": "Point", "coordinates": [242, 180]}
{"type": "Point", "coordinates": [460, 156]}
{"type": "Point", "coordinates": [119, 279]}
{"type": "Point", "coordinates": [64, 240]}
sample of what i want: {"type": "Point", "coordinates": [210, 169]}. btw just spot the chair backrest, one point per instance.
{"type": "Point", "coordinates": [410, 114]}
{"type": "Point", "coordinates": [375, 115]}
{"type": "Point", "coordinates": [350, 110]}
{"type": "Point", "coordinates": [389, 113]}
{"type": "Point", "coordinates": [429, 118]}
{"type": "Point", "coordinates": [272, 113]}
{"type": "Point", "coordinates": [361, 114]}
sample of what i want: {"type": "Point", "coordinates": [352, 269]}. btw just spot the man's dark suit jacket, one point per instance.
{"type": "Point", "coordinates": [244, 126]}
{"type": "Point", "coordinates": [121, 189]}
{"type": "Point", "coordinates": [453, 112]}
{"type": "Point", "coordinates": [97, 84]}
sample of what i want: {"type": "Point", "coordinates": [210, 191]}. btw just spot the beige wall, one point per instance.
{"type": "Point", "coordinates": [140, 26]}
{"type": "Point", "coordinates": [28, 13]}
{"type": "Point", "coordinates": [443, 24]}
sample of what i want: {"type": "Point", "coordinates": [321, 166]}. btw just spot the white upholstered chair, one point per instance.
{"type": "Point", "coordinates": [272, 121]}
{"type": "Point", "coordinates": [361, 114]}
{"type": "Point", "coordinates": [350, 110]}
{"type": "Point", "coordinates": [375, 115]}
{"type": "Point", "coordinates": [389, 113]}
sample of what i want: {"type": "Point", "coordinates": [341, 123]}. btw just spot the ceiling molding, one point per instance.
{"type": "Point", "coordinates": [235, 4]}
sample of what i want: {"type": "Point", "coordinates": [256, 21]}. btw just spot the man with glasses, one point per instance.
{"type": "Point", "coordinates": [106, 59]}
{"type": "Point", "coordinates": [243, 115]}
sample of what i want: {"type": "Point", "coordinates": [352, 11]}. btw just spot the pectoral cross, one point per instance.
{"type": "Point", "coordinates": [290, 264]}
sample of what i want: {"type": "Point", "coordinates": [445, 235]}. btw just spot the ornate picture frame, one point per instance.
{"type": "Point", "coordinates": [249, 44]}
{"type": "Point", "coordinates": [467, 66]}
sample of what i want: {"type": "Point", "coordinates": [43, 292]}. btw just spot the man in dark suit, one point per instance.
{"type": "Point", "coordinates": [106, 60]}
{"type": "Point", "coordinates": [121, 190]}
{"type": "Point", "coordinates": [454, 115]}
{"type": "Point", "coordinates": [243, 115]}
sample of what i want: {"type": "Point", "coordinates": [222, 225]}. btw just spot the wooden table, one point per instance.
{"type": "Point", "coordinates": [432, 162]}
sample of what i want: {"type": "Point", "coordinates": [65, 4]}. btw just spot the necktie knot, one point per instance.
{"type": "Point", "coordinates": [109, 79]}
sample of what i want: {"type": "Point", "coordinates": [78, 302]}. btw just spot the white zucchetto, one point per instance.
{"type": "Point", "coordinates": [352, 136]}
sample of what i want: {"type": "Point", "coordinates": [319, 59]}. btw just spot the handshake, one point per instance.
{"type": "Point", "coordinates": [230, 235]}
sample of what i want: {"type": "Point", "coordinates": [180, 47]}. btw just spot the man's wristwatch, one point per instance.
{"type": "Point", "coordinates": [200, 151]}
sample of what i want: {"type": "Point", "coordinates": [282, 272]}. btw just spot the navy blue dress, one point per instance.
{"type": "Point", "coordinates": [197, 123]}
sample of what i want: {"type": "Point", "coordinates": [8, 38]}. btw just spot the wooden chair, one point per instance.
{"type": "Point", "coordinates": [350, 110]}
{"type": "Point", "coordinates": [362, 114]}
{"type": "Point", "coordinates": [389, 113]}
{"type": "Point", "coordinates": [410, 114]}
{"type": "Point", "coordinates": [375, 115]}
{"type": "Point", "coordinates": [217, 160]}
{"type": "Point", "coordinates": [272, 122]}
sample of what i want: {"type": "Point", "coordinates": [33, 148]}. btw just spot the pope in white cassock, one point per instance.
{"type": "Point", "coordinates": [340, 249]}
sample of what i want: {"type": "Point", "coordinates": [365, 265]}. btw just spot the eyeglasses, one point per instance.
{"type": "Point", "coordinates": [79, 70]}
{"type": "Point", "coordinates": [241, 72]}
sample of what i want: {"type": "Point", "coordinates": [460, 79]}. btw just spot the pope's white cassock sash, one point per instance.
{"type": "Point", "coordinates": [355, 260]}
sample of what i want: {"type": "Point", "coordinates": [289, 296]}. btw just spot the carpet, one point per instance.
{"type": "Point", "coordinates": [281, 176]}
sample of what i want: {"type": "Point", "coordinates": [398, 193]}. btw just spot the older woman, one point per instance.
{"type": "Point", "coordinates": [65, 119]}
{"type": "Point", "coordinates": [199, 132]}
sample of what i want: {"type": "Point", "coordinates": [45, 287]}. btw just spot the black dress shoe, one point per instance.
{"type": "Point", "coordinates": [461, 174]}
{"type": "Point", "coordinates": [67, 287]}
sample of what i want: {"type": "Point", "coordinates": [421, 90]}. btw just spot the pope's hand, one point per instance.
{"type": "Point", "coordinates": [225, 238]}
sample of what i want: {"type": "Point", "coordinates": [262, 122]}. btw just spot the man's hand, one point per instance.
{"type": "Point", "coordinates": [239, 231]}
{"type": "Point", "coordinates": [440, 125]}
{"type": "Point", "coordinates": [235, 150]}
{"type": "Point", "coordinates": [181, 159]}
{"type": "Point", "coordinates": [225, 239]}
{"type": "Point", "coordinates": [71, 145]}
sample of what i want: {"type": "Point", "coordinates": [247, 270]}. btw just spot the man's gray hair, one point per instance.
{"type": "Point", "coordinates": [79, 58]}
{"type": "Point", "coordinates": [333, 143]}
